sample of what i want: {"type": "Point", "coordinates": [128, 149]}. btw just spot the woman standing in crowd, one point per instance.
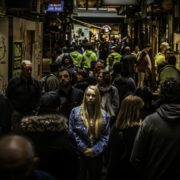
{"type": "Point", "coordinates": [109, 94]}
{"type": "Point", "coordinates": [89, 126]}
{"type": "Point", "coordinates": [122, 138]}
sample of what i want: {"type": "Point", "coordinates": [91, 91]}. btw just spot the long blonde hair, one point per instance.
{"type": "Point", "coordinates": [129, 113]}
{"type": "Point", "coordinates": [97, 111]}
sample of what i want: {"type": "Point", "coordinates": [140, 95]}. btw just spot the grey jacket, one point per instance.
{"type": "Point", "coordinates": [156, 151]}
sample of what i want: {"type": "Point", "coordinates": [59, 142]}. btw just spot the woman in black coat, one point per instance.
{"type": "Point", "coordinates": [122, 138]}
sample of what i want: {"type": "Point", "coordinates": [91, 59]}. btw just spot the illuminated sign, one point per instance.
{"type": "Point", "coordinates": [56, 7]}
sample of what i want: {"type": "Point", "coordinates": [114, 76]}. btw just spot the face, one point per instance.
{"type": "Point", "coordinates": [27, 70]}
{"type": "Point", "coordinates": [136, 49]}
{"type": "Point", "coordinates": [167, 53]}
{"type": "Point", "coordinates": [100, 78]}
{"type": "Point", "coordinates": [148, 49]}
{"type": "Point", "coordinates": [79, 77]}
{"type": "Point", "coordinates": [64, 78]}
{"type": "Point", "coordinates": [99, 66]}
{"type": "Point", "coordinates": [90, 96]}
{"type": "Point", "coordinates": [67, 61]}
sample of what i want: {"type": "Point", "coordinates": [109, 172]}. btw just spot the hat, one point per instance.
{"type": "Point", "coordinates": [164, 45]}
{"type": "Point", "coordinates": [127, 49]}
{"type": "Point", "coordinates": [49, 100]}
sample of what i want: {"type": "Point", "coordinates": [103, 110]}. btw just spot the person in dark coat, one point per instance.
{"type": "Point", "coordinates": [109, 94]}
{"type": "Point", "coordinates": [125, 84]}
{"type": "Point", "coordinates": [69, 96]}
{"type": "Point", "coordinates": [24, 93]}
{"type": "Point", "coordinates": [129, 61]}
{"type": "Point", "coordinates": [122, 138]}
{"type": "Point", "coordinates": [23, 89]}
{"type": "Point", "coordinates": [156, 148]}
{"type": "Point", "coordinates": [48, 131]}
{"type": "Point", "coordinates": [82, 80]}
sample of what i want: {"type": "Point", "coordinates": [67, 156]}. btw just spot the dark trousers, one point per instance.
{"type": "Point", "coordinates": [90, 168]}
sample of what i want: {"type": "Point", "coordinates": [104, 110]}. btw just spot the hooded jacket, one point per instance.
{"type": "Point", "coordinates": [52, 143]}
{"type": "Point", "coordinates": [156, 151]}
{"type": "Point", "coordinates": [89, 56]}
{"type": "Point", "coordinates": [114, 57]}
{"type": "Point", "coordinates": [77, 58]}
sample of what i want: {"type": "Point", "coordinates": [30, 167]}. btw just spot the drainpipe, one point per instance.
{"type": "Point", "coordinates": [10, 47]}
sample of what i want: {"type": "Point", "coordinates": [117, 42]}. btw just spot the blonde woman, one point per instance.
{"type": "Point", "coordinates": [89, 126]}
{"type": "Point", "coordinates": [122, 137]}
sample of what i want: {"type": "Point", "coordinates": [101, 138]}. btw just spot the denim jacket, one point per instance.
{"type": "Point", "coordinates": [80, 132]}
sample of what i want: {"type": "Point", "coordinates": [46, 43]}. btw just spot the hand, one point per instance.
{"type": "Point", "coordinates": [88, 152]}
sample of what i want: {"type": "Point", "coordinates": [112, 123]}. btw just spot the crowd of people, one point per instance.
{"type": "Point", "coordinates": [93, 117]}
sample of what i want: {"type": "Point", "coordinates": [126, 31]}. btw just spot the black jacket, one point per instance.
{"type": "Point", "coordinates": [24, 94]}
{"type": "Point", "coordinates": [120, 147]}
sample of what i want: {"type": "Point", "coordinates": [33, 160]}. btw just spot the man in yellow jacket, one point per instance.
{"type": "Point", "coordinates": [76, 56]}
{"type": "Point", "coordinates": [160, 57]}
{"type": "Point", "coordinates": [89, 57]}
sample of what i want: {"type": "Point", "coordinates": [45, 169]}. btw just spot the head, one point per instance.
{"type": "Point", "coordinates": [164, 46]}
{"type": "Point", "coordinates": [88, 46]}
{"type": "Point", "coordinates": [81, 75]}
{"type": "Point", "coordinates": [127, 50]}
{"type": "Point", "coordinates": [136, 48]}
{"type": "Point", "coordinates": [26, 68]}
{"type": "Point", "coordinates": [143, 54]}
{"type": "Point", "coordinates": [145, 93]}
{"type": "Point", "coordinates": [65, 49]}
{"type": "Point", "coordinates": [117, 68]}
{"type": "Point", "coordinates": [66, 60]}
{"type": "Point", "coordinates": [17, 158]}
{"type": "Point", "coordinates": [64, 77]}
{"type": "Point", "coordinates": [129, 113]}
{"type": "Point", "coordinates": [92, 99]}
{"type": "Point", "coordinates": [49, 103]}
{"type": "Point", "coordinates": [169, 91]}
{"type": "Point", "coordinates": [72, 48]}
{"type": "Point", "coordinates": [51, 83]}
{"type": "Point", "coordinates": [168, 53]}
{"type": "Point", "coordinates": [103, 78]}
{"type": "Point", "coordinates": [54, 67]}
{"type": "Point", "coordinates": [99, 65]}
{"type": "Point", "coordinates": [125, 71]}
